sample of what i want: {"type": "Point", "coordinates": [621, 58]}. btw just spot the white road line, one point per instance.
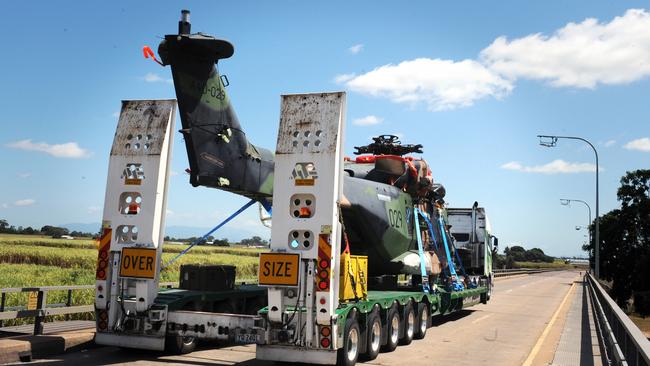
{"type": "Point", "coordinates": [481, 318]}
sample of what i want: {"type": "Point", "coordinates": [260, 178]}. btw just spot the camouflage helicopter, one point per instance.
{"type": "Point", "coordinates": [381, 186]}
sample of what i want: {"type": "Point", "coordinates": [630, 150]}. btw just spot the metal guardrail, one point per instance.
{"type": "Point", "coordinates": [39, 308]}
{"type": "Point", "coordinates": [624, 343]}
{"type": "Point", "coordinates": [519, 271]}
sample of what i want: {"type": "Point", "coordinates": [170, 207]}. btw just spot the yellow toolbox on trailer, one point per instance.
{"type": "Point", "coordinates": [354, 272]}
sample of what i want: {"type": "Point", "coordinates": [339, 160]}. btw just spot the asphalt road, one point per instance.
{"type": "Point", "coordinates": [503, 332]}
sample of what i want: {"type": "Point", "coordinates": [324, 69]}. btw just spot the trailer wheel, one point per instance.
{"type": "Point", "coordinates": [422, 320]}
{"type": "Point", "coordinates": [349, 353]}
{"type": "Point", "coordinates": [180, 345]}
{"type": "Point", "coordinates": [392, 329]}
{"type": "Point", "coordinates": [409, 324]}
{"type": "Point", "coordinates": [373, 343]}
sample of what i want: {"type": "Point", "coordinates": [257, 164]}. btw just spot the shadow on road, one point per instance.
{"type": "Point", "coordinates": [438, 320]}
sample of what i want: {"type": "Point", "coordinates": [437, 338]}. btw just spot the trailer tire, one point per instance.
{"type": "Point", "coordinates": [392, 329]}
{"type": "Point", "coordinates": [373, 334]}
{"type": "Point", "coordinates": [408, 322]}
{"type": "Point", "coordinates": [349, 353]}
{"type": "Point", "coordinates": [180, 345]}
{"type": "Point", "coordinates": [423, 320]}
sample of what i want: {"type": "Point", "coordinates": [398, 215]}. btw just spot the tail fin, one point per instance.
{"type": "Point", "coordinates": [219, 153]}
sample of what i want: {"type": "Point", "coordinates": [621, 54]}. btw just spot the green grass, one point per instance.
{"type": "Point", "coordinates": [32, 261]}
{"type": "Point", "coordinates": [557, 264]}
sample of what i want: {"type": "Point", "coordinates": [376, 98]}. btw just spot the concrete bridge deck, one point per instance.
{"type": "Point", "coordinates": [539, 319]}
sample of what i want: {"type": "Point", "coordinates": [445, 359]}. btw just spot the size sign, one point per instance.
{"type": "Point", "coordinates": [279, 269]}
{"type": "Point", "coordinates": [138, 263]}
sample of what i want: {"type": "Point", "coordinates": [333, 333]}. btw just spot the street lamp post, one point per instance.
{"type": "Point", "coordinates": [551, 141]}
{"type": "Point", "coordinates": [567, 202]}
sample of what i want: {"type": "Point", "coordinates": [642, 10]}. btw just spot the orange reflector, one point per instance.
{"type": "Point", "coordinates": [325, 331]}
{"type": "Point", "coordinates": [305, 212]}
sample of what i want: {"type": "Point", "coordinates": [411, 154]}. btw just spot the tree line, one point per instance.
{"type": "Point", "coordinates": [517, 253]}
{"type": "Point", "coordinates": [224, 242]}
{"type": "Point", "coordinates": [625, 243]}
{"type": "Point", "coordinates": [49, 230]}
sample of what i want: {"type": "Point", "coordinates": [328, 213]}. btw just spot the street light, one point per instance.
{"type": "Point", "coordinates": [551, 141]}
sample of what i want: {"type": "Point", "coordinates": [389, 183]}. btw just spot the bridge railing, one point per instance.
{"type": "Point", "coordinates": [38, 308]}
{"type": "Point", "coordinates": [519, 271]}
{"type": "Point", "coordinates": [624, 343]}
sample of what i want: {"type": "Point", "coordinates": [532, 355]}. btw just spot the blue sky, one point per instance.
{"type": "Point", "coordinates": [473, 82]}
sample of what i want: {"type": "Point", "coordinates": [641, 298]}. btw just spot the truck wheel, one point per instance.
{"type": "Point", "coordinates": [392, 329]}
{"type": "Point", "coordinates": [485, 297]}
{"type": "Point", "coordinates": [348, 354]}
{"type": "Point", "coordinates": [422, 321]}
{"type": "Point", "coordinates": [489, 293]}
{"type": "Point", "coordinates": [373, 344]}
{"type": "Point", "coordinates": [180, 345]}
{"type": "Point", "coordinates": [409, 324]}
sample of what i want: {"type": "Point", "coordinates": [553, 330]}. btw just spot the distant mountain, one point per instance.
{"type": "Point", "coordinates": [233, 234]}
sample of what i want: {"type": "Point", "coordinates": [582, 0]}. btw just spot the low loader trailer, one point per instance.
{"type": "Point", "coordinates": [362, 254]}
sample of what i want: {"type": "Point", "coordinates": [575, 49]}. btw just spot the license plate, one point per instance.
{"type": "Point", "coordinates": [246, 338]}
{"type": "Point", "coordinates": [138, 263]}
{"type": "Point", "coordinates": [279, 269]}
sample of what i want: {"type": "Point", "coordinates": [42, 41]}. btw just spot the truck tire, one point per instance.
{"type": "Point", "coordinates": [408, 321]}
{"type": "Point", "coordinates": [485, 297]}
{"type": "Point", "coordinates": [349, 353]}
{"type": "Point", "coordinates": [179, 345]}
{"type": "Point", "coordinates": [422, 320]}
{"type": "Point", "coordinates": [392, 329]}
{"type": "Point", "coordinates": [490, 282]}
{"type": "Point", "coordinates": [373, 342]}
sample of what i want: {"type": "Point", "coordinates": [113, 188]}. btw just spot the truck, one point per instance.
{"type": "Point", "coordinates": [362, 253]}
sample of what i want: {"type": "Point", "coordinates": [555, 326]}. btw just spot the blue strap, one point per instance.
{"type": "Point", "coordinates": [433, 235]}
{"type": "Point", "coordinates": [450, 261]}
{"type": "Point", "coordinates": [460, 262]}
{"type": "Point", "coordinates": [456, 285]}
{"type": "Point", "coordinates": [423, 270]}
{"type": "Point", "coordinates": [201, 239]}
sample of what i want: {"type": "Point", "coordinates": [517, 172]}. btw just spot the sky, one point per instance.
{"type": "Point", "coordinates": [474, 82]}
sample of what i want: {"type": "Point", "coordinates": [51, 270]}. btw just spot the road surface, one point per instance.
{"type": "Point", "coordinates": [503, 332]}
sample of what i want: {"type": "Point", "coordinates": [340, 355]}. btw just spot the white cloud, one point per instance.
{"type": "Point", "coordinates": [580, 55]}
{"type": "Point", "coordinates": [173, 173]}
{"type": "Point", "coordinates": [340, 79]}
{"type": "Point", "coordinates": [155, 78]}
{"type": "Point", "coordinates": [67, 150]}
{"type": "Point", "coordinates": [356, 48]}
{"type": "Point", "coordinates": [555, 167]}
{"type": "Point", "coordinates": [609, 143]}
{"type": "Point", "coordinates": [4, 205]}
{"type": "Point", "coordinates": [94, 209]}
{"type": "Point", "coordinates": [25, 202]}
{"type": "Point", "coordinates": [24, 175]}
{"type": "Point", "coordinates": [368, 121]}
{"type": "Point", "coordinates": [440, 84]}
{"type": "Point", "coordinates": [169, 212]}
{"type": "Point", "coordinates": [642, 144]}
{"type": "Point", "coordinates": [116, 114]}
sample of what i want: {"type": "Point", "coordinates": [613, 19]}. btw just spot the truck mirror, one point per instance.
{"type": "Point", "coordinates": [495, 242]}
